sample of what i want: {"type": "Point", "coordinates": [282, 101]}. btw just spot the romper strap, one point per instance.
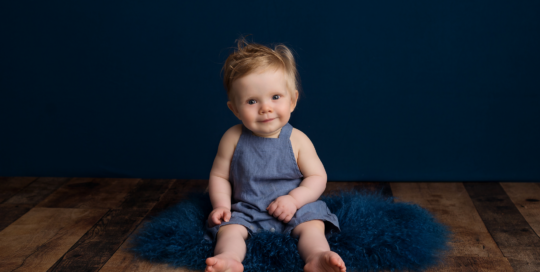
{"type": "Point", "coordinates": [286, 131]}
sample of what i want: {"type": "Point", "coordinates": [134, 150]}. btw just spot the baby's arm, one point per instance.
{"type": "Point", "coordinates": [219, 187]}
{"type": "Point", "coordinates": [314, 183]}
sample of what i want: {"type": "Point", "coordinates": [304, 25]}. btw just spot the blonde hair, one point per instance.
{"type": "Point", "coordinates": [250, 57]}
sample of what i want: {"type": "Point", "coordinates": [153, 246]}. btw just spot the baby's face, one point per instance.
{"type": "Point", "coordinates": [262, 96]}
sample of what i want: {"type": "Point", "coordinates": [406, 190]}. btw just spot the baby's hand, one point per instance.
{"type": "Point", "coordinates": [283, 208]}
{"type": "Point", "coordinates": [219, 215]}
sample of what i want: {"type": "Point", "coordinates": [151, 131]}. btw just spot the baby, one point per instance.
{"type": "Point", "coordinates": [269, 169]}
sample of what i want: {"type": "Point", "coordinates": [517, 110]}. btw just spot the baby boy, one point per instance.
{"type": "Point", "coordinates": [268, 169]}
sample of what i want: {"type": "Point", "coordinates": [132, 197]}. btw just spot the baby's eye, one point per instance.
{"type": "Point", "coordinates": [249, 101]}
{"type": "Point", "coordinates": [278, 96]}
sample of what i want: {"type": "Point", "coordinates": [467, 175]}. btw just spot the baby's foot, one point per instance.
{"type": "Point", "coordinates": [223, 263]}
{"type": "Point", "coordinates": [327, 261]}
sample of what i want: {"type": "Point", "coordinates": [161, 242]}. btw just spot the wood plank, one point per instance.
{"type": "Point", "coordinates": [10, 214]}
{"type": "Point", "coordinates": [334, 187]}
{"type": "Point", "coordinates": [101, 241]}
{"type": "Point", "coordinates": [9, 186]}
{"type": "Point", "coordinates": [451, 205]}
{"type": "Point", "coordinates": [95, 248]}
{"type": "Point", "coordinates": [515, 238]}
{"type": "Point", "coordinates": [35, 192]}
{"type": "Point", "coordinates": [26, 198]}
{"type": "Point", "coordinates": [526, 197]}
{"type": "Point", "coordinates": [147, 193]}
{"type": "Point", "coordinates": [37, 239]}
{"type": "Point", "coordinates": [124, 260]}
{"type": "Point", "coordinates": [480, 264]}
{"type": "Point", "coordinates": [91, 193]}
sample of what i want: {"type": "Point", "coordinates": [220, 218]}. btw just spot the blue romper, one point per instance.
{"type": "Point", "coordinates": [263, 169]}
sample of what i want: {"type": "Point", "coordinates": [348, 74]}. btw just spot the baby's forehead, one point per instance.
{"type": "Point", "coordinates": [260, 81]}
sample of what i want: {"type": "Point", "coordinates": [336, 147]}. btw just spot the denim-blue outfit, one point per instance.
{"type": "Point", "coordinates": [263, 169]}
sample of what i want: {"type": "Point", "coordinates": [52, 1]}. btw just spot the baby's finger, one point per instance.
{"type": "Point", "coordinates": [283, 216]}
{"type": "Point", "coordinates": [288, 219]}
{"type": "Point", "coordinates": [227, 216]}
{"type": "Point", "coordinates": [212, 222]}
{"type": "Point", "coordinates": [217, 218]}
{"type": "Point", "coordinates": [271, 209]}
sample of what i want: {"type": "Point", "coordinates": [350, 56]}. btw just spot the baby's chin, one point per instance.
{"type": "Point", "coordinates": [266, 130]}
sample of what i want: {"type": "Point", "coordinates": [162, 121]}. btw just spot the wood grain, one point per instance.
{"type": "Point", "coordinates": [91, 193]}
{"type": "Point", "coordinates": [334, 187]}
{"type": "Point", "coordinates": [35, 192]}
{"type": "Point", "coordinates": [473, 264]}
{"type": "Point", "coordinates": [40, 237]}
{"type": "Point", "coordinates": [95, 248]}
{"type": "Point", "coordinates": [451, 205]}
{"type": "Point", "coordinates": [526, 197]}
{"type": "Point", "coordinates": [147, 193]}
{"type": "Point", "coordinates": [9, 186]}
{"type": "Point", "coordinates": [515, 238]}
{"type": "Point", "coordinates": [26, 198]}
{"type": "Point", "coordinates": [10, 214]}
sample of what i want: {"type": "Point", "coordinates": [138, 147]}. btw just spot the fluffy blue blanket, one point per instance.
{"type": "Point", "coordinates": [376, 234]}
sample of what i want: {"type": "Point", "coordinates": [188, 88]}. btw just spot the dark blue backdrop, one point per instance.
{"type": "Point", "coordinates": [394, 90]}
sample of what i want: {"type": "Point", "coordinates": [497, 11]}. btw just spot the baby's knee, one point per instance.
{"type": "Point", "coordinates": [312, 225]}
{"type": "Point", "coordinates": [233, 229]}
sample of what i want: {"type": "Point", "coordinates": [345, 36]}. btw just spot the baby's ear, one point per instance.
{"type": "Point", "coordinates": [233, 109]}
{"type": "Point", "coordinates": [294, 100]}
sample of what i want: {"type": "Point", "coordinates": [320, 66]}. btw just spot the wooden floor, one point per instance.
{"type": "Point", "coordinates": [82, 224]}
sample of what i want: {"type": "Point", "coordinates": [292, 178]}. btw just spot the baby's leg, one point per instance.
{"type": "Point", "coordinates": [314, 248]}
{"type": "Point", "coordinates": [230, 249]}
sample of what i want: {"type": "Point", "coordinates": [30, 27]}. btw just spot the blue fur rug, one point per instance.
{"type": "Point", "coordinates": [376, 234]}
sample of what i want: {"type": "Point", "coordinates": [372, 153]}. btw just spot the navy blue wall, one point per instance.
{"type": "Point", "coordinates": [394, 90]}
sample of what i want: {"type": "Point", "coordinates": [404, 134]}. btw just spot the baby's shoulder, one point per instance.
{"type": "Point", "coordinates": [299, 138]}
{"type": "Point", "coordinates": [232, 135]}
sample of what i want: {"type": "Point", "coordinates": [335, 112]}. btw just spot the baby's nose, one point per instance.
{"type": "Point", "coordinates": [266, 108]}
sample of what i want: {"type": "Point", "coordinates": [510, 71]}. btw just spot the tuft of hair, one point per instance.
{"type": "Point", "coordinates": [250, 57]}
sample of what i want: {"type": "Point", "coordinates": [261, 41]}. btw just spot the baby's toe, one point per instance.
{"type": "Point", "coordinates": [209, 263]}
{"type": "Point", "coordinates": [335, 262]}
